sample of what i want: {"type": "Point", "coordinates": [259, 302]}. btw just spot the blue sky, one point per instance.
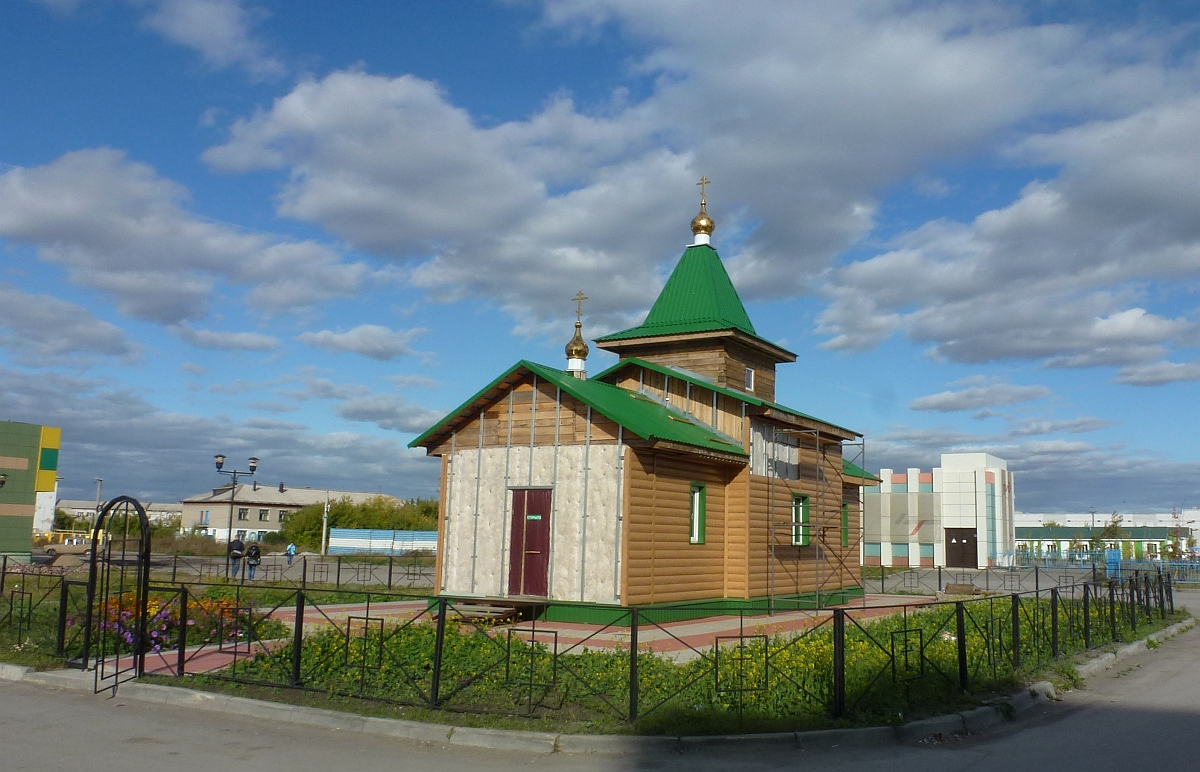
{"type": "Point", "coordinates": [305, 230]}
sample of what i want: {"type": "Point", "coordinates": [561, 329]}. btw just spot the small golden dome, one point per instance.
{"type": "Point", "coordinates": [577, 348]}
{"type": "Point", "coordinates": [702, 223]}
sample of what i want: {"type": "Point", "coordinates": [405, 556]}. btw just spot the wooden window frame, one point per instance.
{"type": "Point", "coordinates": [697, 513]}
{"type": "Point", "coordinates": [750, 379]}
{"type": "Point", "coordinates": [801, 533]}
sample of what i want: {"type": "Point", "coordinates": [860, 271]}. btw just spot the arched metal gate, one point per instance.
{"type": "Point", "coordinates": [115, 640]}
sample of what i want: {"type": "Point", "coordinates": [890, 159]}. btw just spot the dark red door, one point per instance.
{"type": "Point", "coordinates": [529, 566]}
{"type": "Point", "coordinates": [961, 548]}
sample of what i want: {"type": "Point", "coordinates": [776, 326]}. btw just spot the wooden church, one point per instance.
{"type": "Point", "coordinates": [673, 476]}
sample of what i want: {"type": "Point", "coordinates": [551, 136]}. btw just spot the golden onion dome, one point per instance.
{"type": "Point", "coordinates": [577, 348]}
{"type": "Point", "coordinates": [702, 223]}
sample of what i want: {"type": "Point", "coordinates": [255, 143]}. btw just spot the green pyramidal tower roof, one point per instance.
{"type": "Point", "coordinates": [699, 297]}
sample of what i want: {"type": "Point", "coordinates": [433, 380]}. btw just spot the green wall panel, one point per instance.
{"type": "Point", "coordinates": [16, 534]}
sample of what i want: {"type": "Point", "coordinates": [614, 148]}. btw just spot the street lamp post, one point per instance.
{"type": "Point", "coordinates": [234, 474]}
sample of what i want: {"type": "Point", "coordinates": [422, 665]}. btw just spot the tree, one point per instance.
{"type": "Point", "coordinates": [1112, 531]}
{"type": "Point", "coordinates": [1051, 524]}
{"type": "Point", "coordinates": [384, 512]}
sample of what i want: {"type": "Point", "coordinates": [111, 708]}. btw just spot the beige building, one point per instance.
{"type": "Point", "coordinates": [257, 509]}
{"type": "Point", "coordinates": [157, 511]}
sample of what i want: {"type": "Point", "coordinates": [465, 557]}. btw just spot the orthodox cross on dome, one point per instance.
{"type": "Point", "coordinates": [579, 298]}
{"type": "Point", "coordinates": [577, 348]}
{"type": "Point", "coordinates": [702, 224]}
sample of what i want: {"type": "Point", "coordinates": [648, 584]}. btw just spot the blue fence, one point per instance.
{"type": "Point", "coordinates": [367, 541]}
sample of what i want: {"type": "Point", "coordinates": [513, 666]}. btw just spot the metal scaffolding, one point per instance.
{"type": "Point", "coordinates": [825, 472]}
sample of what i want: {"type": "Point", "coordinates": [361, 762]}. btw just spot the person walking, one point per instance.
{"type": "Point", "coordinates": [253, 558]}
{"type": "Point", "coordinates": [237, 550]}
{"type": "Point", "coordinates": [291, 553]}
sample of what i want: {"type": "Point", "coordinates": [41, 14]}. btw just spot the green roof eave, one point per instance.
{"type": "Point", "coordinates": [643, 417]}
{"type": "Point", "coordinates": [696, 380]}
{"type": "Point", "coordinates": [856, 471]}
{"type": "Point", "coordinates": [479, 394]}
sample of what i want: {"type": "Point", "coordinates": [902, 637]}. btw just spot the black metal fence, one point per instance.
{"type": "Point", "coordinates": [932, 581]}
{"type": "Point", "coordinates": [400, 571]}
{"type": "Point", "coordinates": [603, 663]}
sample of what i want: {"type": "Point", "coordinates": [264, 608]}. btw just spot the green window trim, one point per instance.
{"type": "Point", "coordinates": [697, 505]}
{"type": "Point", "coordinates": [800, 527]}
{"type": "Point", "coordinates": [845, 524]}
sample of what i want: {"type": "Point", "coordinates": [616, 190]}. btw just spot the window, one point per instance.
{"type": "Point", "coordinates": [204, 517]}
{"type": "Point", "coordinates": [800, 527]}
{"type": "Point", "coordinates": [241, 535]}
{"type": "Point", "coordinates": [696, 529]}
{"type": "Point", "coordinates": [243, 513]}
{"type": "Point", "coordinates": [282, 515]}
{"type": "Point", "coordinates": [264, 515]}
{"type": "Point", "coordinates": [749, 380]}
{"type": "Point", "coordinates": [845, 524]}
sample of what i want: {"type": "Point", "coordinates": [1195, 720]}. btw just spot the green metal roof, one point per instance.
{"type": "Point", "coordinates": [698, 297]}
{"type": "Point", "coordinates": [645, 417]}
{"type": "Point", "coordinates": [854, 470]}
{"type": "Point", "coordinates": [698, 380]}
{"type": "Point", "coordinates": [1083, 532]}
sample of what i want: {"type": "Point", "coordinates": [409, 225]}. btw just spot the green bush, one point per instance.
{"type": "Point", "coordinates": [384, 512]}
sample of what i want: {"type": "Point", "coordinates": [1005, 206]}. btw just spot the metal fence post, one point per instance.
{"type": "Point", "coordinates": [3, 571]}
{"type": "Point", "coordinates": [339, 571]}
{"type": "Point", "coordinates": [174, 568]}
{"type": "Point", "coordinates": [183, 626]}
{"type": "Point", "coordinates": [1148, 596]}
{"type": "Point", "coordinates": [1016, 630]}
{"type": "Point", "coordinates": [1054, 622]}
{"type": "Point", "coordinates": [1112, 608]}
{"type": "Point", "coordinates": [1087, 618]}
{"type": "Point", "coordinates": [1133, 604]}
{"type": "Point", "coordinates": [633, 664]}
{"type": "Point", "coordinates": [61, 643]}
{"type": "Point", "coordinates": [1036, 583]}
{"type": "Point", "coordinates": [297, 637]}
{"type": "Point", "coordinates": [1162, 598]}
{"type": "Point", "coordinates": [391, 560]}
{"type": "Point", "coordinates": [436, 687]}
{"type": "Point", "coordinates": [839, 661]}
{"type": "Point", "coordinates": [1093, 572]}
{"type": "Point", "coordinates": [940, 585]}
{"type": "Point", "coordinates": [960, 621]}
{"type": "Point", "coordinates": [1171, 594]}
{"type": "Point", "coordinates": [304, 571]}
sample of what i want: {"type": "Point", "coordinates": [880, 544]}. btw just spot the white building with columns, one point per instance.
{"type": "Point", "coordinates": [959, 514]}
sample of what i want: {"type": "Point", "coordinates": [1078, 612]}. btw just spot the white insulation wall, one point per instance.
{"type": "Point", "coordinates": [586, 497]}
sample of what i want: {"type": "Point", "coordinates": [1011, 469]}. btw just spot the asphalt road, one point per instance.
{"type": "Point", "coordinates": [1145, 711]}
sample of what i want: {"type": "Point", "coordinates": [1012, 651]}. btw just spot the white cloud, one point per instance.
{"type": "Point", "coordinates": [801, 112]}
{"type": "Point", "coordinates": [117, 226]}
{"type": "Point", "coordinates": [1059, 275]}
{"type": "Point", "coordinates": [1158, 373]}
{"type": "Point", "coordinates": [388, 411]}
{"type": "Point", "coordinates": [191, 368]}
{"type": "Point", "coordinates": [1082, 425]}
{"type": "Point", "coordinates": [1053, 474]}
{"type": "Point", "coordinates": [980, 393]}
{"type": "Point", "coordinates": [220, 30]}
{"type": "Point", "coordinates": [412, 381]}
{"type": "Point", "coordinates": [369, 340]}
{"type": "Point", "coordinates": [226, 341]}
{"type": "Point", "coordinates": [42, 329]}
{"type": "Point", "coordinates": [154, 454]}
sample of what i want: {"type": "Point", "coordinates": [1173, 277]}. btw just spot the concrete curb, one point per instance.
{"type": "Point", "coordinates": [13, 672]}
{"type": "Point", "coordinates": [1107, 660]}
{"type": "Point", "coordinates": [914, 732]}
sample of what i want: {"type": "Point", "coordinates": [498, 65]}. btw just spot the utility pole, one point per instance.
{"type": "Point", "coordinates": [96, 512]}
{"type": "Point", "coordinates": [325, 527]}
